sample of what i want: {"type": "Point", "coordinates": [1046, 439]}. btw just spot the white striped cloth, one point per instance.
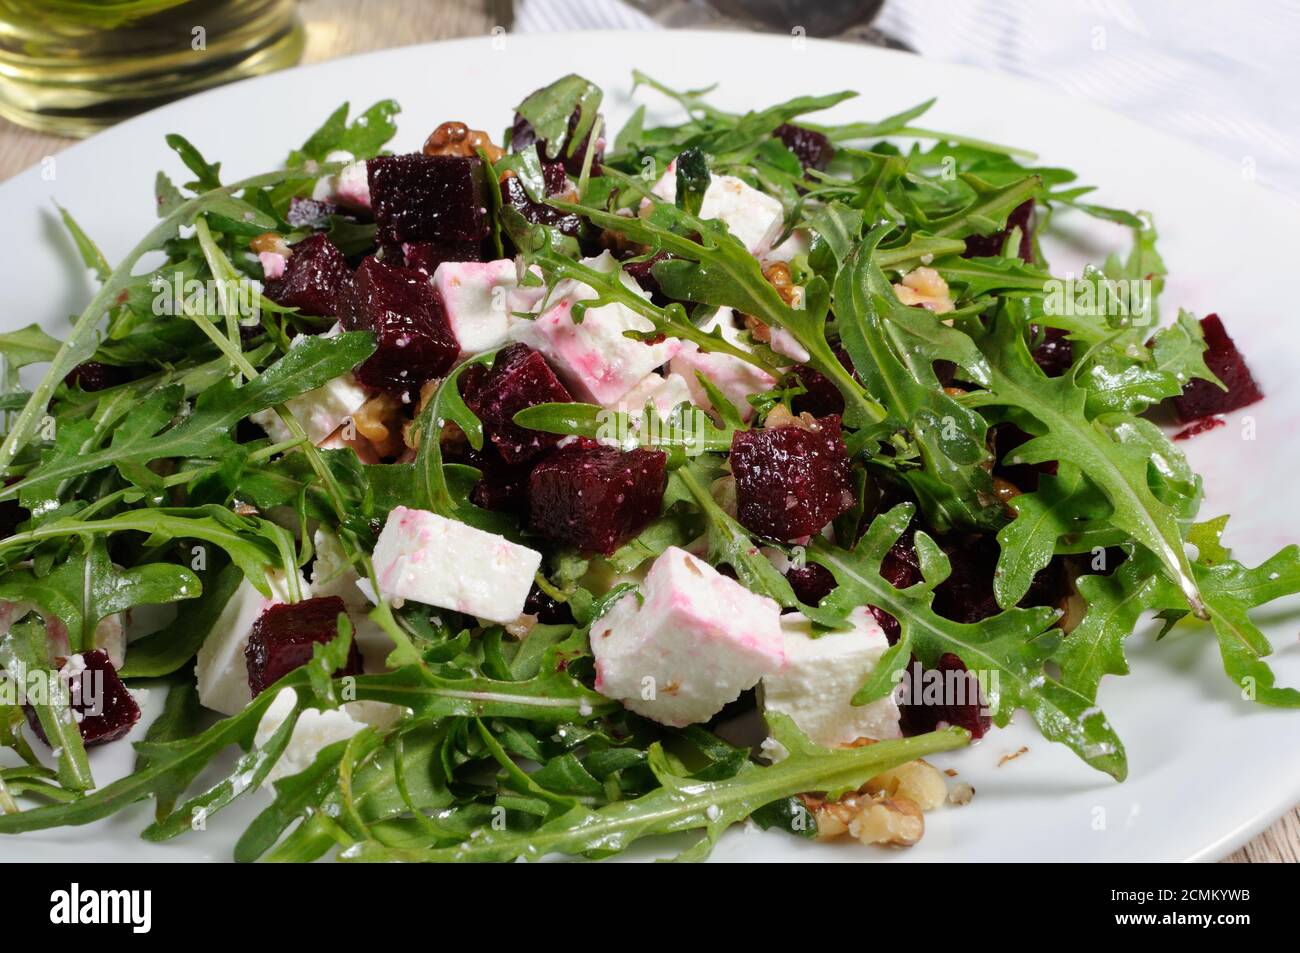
{"type": "Point", "coordinates": [1222, 75]}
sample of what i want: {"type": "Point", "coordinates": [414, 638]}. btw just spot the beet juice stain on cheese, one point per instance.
{"type": "Point", "coordinates": [540, 493]}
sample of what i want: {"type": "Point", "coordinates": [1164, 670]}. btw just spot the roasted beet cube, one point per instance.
{"type": "Point", "coordinates": [901, 569]}
{"type": "Point", "coordinates": [811, 148]}
{"type": "Point", "coordinates": [821, 398]}
{"type": "Point", "coordinates": [501, 486]}
{"type": "Point", "coordinates": [946, 694]}
{"type": "Point", "coordinates": [103, 708]}
{"type": "Point", "coordinates": [990, 246]}
{"type": "Point", "coordinates": [314, 278]}
{"type": "Point", "coordinates": [520, 378]}
{"type": "Point", "coordinates": [427, 256]}
{"type": "Point", "coordinates": [595, 498]}
{"type": "Point", "coordinates": [516, 196]}
{"type": "Point", "coordinates": [419, 198]}
{"type": "Point", "coordinates": [92, 375]}
{"type": "Point", "coordinates": [811, 583]}
{"type": "Point", "coordinates": [309, 213]}
{"type": "Point", "coordinates": [642, 271]}
{"type": "Point", "coordinates": [286, 634]}
{"type": "Point", "coordinates": [549, 611]}
{"type": "Point", "coordinates": [1204, 398]}
{"type": "Point", "coordinates": [967, 594]}
{"type": "Point", "coordinates": [791, 481]}
{"type": "Point", "coordinates": [523, 135]}
{"type": "Point", "coordinates": [1054, 352]}
{"type": "Point", "coordinates": [415, 343]}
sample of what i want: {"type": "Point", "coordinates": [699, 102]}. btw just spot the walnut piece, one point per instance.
{"type": "Point", "coordinates": [380, 421]}
{"type": "Point", "coordinates": [457, 139]}
{"type": "Point", "coordinates": [870, 819]}
{"type": "Point", "coordinates": [918, 781]}
{"type": "Point", "coordinates": [925, 287]}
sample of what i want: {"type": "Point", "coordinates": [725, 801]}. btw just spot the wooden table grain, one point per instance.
{"type": "Point", "coordinates": [342, 27]}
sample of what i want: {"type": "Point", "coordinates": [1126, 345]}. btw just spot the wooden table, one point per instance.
{"type": "Point", "coordinates": [342, 27]}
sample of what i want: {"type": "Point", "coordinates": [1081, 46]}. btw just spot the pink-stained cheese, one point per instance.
{"type": "Point", "coordinates": [687, 643]}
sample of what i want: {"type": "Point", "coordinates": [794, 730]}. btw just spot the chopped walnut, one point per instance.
{"type": "Point", "coordinates": [457, 139]}
{"type": "Point", "coordinates": [380, 421]}
{"type": "Point", "coordinates": [875, 819]}
{"type": "Point", "coordinates": [917, 781]}
{"type": "Point", "coordinates": [1005, 490]}
{"type": "Point", "coordinates": [410, 435]}
{"type": "Point", "coordinates": [244, 509]}
{"type": "Point", "coordinates": [960, 794]}
{"type": "Point", "coordinates": [520, 628]}
{"type": "Point", "coordinates": [780, 416]}
{"type": "Point", "coordinates": [778, 276]}
{"type": "Point", "coordinates": [270, 242]}
{"type": "Point", "coordinates": [925, 287]}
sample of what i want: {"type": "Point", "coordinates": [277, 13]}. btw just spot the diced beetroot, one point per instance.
{"type": "Point", "coordinates": [419, 198]}
{"type": "Point", "coordinates": [642, 271]}
{"type": "Point", "coordinates": [791, 481]}
{"type": "Point", "coordinates": [309, 213]}
{"type": "Point", "coordinates": [990, 246]}
{"type": "Point", "coordinates": [1199, 427]}
{"type": "Point", "coordinates": [520, 378]}
{"type": "Point", "coordinates": [502, 486]}
{"type": "Point", "coordinates": [415, 343]}
{"type": "Point", "coordinates": [92, 375]}
{"type": "Point", "coordinates": [967, 594]}
{"type": "Point", "coordinates": [548, 611]}
{"type": "Point", "coordinates": [515, 195]}
{"type": "Point", "coordinates": [901, 569]}
{"type": "Point", "coordinates": [811, 148]}
{"type": "Point", "coordinates": [286, 634]}
{"type": "Point", "coordinates": [314, 279]}
{"type": "Point", "coordinates": [104, 708]}
{"type": "Point", "coordinates": [596, 498]}
{"type": "Point", "coordinates": [821, 398]}
{"type": "Point", "coordinates": [427, 256]}
{"type": "Point", "coordinates": [811, 583]}
{"type": "Point", "coordinates": [1054, 353]}
{"type": "Point", "coordinates": [947, 693]}
{"type": "Point", "coordinates": [1205, 398]}
{"type": "Point", "coordinates": [523, 135]}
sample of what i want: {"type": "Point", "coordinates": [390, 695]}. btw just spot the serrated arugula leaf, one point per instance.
{"type": "Point", "coordinates": [166, 651]}
{"type": "Point", "coordinates": [446, 406]}
{"type": "Point", "coordinates": [684, 804]}
{"type": "Point", "coordinates": [29, 345]}
{"type": "Point", "coordinates": [364, 137]}
{"type": "Point", "coordinates": [550, 108]}
{"type": "Point", "coordinates": [208, 173]}
{"type": "Point", "coordinates": [1008, 650]}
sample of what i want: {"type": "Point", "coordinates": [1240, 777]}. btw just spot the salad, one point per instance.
{"type": "Point", "coordinates": [544, 493]}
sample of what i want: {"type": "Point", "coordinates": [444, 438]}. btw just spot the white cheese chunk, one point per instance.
{"type": "Point", "coordinates": [446, 563]}
{"type": "Point", "coordinates": [690, 641]}
{"type": "Point", "coordinates": [333, 575]}
{"type": "Point", "coordinates": [476, 297]}
{"type": "Point", "coordinates": [321, 411]}
{"type": "Point", "coordinates": [220, 669]}
{"type": "Point", "coordinates": [821, 676]}
{"type": "Point", "coordinates": [664, 393]}
{"type": "Point", "coordinates": [736, 379]}
{"type": "Point", "coordinates": [349, 187]}
{"type": "Point", "coordinates": [594, 359]}
{"type": "Point", "coordinates": [754, 217]}
{"type": "Point", "coordinates": [317, 729]}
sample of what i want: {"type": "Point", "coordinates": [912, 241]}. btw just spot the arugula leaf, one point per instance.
{"type": "Point", "coordinates": [29, 345]}
{"type": "Point", "coordinates": [550, 108]}
{"type": "Point", "coordinates": [446, 406]}
{"type": "Point", "coordinates": [1009, 649]}
{"type": "Point", "coordinates": [364, 137]}
{"type": "Point", "coordinates": [682, 804]}
{"type": "Point", "coordinates": [166, 651]}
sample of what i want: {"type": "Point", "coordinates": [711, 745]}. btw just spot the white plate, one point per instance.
{"type": "Point", "coordinates": [1207, 770]}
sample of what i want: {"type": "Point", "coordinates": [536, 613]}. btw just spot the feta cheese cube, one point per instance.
{"type": "Point", "coordinates": [690, 641]}
{"type": "Point", "coordinates": [321, 411]}
{"type": "Point", "coordinates": [736, 379]}
{"type": "Point", "coordinates": [754, 217]}
{"type": "Point", "coordinates": [445, 563]}
{"type": "Point", "coordinates": [349, 187]}
{"type": "Point", "coordinates": [665, 393]}
{"type": "Point", "coordinates": [333, 575]}
{"type": "Point", "coordinates": [317, 729]}
{"type": "Point", "coordinates": [821, 676]}
{"type": "Point", "coordinates": [273, 264]}
{"type": "Point", "coordinates": [220, 669]}
{"type": "Point", "coordinates": [476, 299]}
{"type": "Point", "coordinates": [594, 359]}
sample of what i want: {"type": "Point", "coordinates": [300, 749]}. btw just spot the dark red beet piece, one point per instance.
{"type": "Point", "coordinates": [901, 569]}
{"type": "Point", "coordinates": [821, 398]}
{"type": "Point", "coordinates": [427, 256]}
{"type": "Point", "coordinates": [309, 213]}
{"type": "Point", "coordinates": [314, 278]}
{"type": "Point", "coordinates": [1209, 423]}
{"type": "Point", "coordinates": [1205, 398]}
{"type": "Point", "coordinates": [414, 340]}
{"type": "Point", "coordinates": [990, 246]}
{"type": "Point", "coordinates": [967, 594]}
{"type": "Point", "coordinates": [947, 693]}
{"type": "Point", "coordinates": [502, 486]}
{"type": "Point", "coordinates": [811, 583]}
{"type": "Point", "coordinates": [1054, 353]}
{"type": "Point", "coordinates": [523, 135]}
{"type": "Point", "coordinates": [548, 610]}
{"type": "Point", "coordinates": [285, 635]}
{"type": "Point", "coordinates": [419, 198]}
{"type": "Point", "coordinates": [520, 378]}
{"type": "Point", "coordinates": [516, 196]}
{"type": "Point", "coordinates": [790, 482]}
{"type": "Point", "coordinates": [811, 148]}
{"type": "Point", "coordinates": [92, 375]}
{"type": "Point", "coordinates": [106, 709]}
{"type": "Point", "coordinates": [596, 498]}
{"type": "Point", "coordinates": [642, 271]}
